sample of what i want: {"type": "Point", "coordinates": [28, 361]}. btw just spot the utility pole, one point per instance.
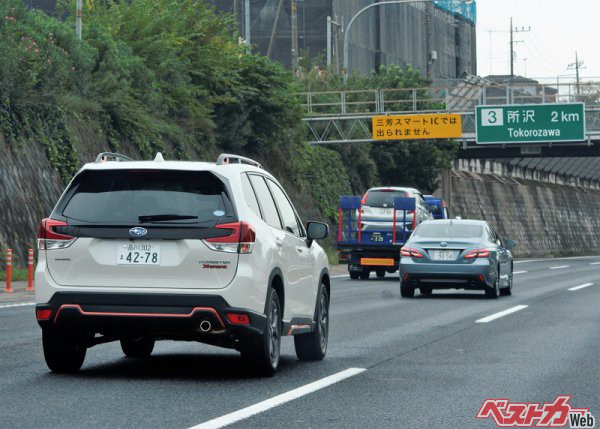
{"type": "Point", "coordinates": [247, 21]}
{"type": "Point", "coordinates": [330, 43]}
{"type": "Point", "coordinates": [512, 45]}
{"type": "Point", "coordinates": [577, 65]}
{"type": "Point", "coordinates": [294, 17]}
{"type": "Point", "coordinates": [78, 14]}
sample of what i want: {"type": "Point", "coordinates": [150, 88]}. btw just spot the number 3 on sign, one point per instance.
{"type": "Point", "coordinates": [492, 117]}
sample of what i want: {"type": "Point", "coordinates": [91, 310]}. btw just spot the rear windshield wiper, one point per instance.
{"type": "Point", "coordinates": [165, 217]}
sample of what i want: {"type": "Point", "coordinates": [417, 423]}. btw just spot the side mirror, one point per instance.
{"type": "Point", "coordinates": [316, 231]}
{"type": "Point", "coordinates": [510, 244]}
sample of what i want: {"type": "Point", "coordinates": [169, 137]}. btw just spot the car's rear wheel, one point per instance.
{"type": "Point", "coordinates": [354, 275]}
{"type": "Point", "coordinates": [406, 290]}
{"type": "Point", "coordinates": [426, 290]}
{"type": "Point", "coordinates": [507, 291]}
{"type": "Point", "coordinates": [263, 352]}
{"type": "Point", "coordinates": [64, 353]}
{"type": "Point", "coordinates": [313, 345]}
{"type": "Point", "coordinates": [138, 347]}
{"type": "Point", "coordinates": [365, 274]}
{"type": "Point", "coordinates": [493, 292]}
{"type": "Point", "coordinates": [380, 274]}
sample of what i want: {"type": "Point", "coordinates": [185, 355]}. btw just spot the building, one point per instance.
{"type": "Point", "coordinates": [437, 38]}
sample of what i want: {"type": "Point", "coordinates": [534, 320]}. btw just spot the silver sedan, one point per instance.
{"type": "Point", "coordinates": [456, 254]}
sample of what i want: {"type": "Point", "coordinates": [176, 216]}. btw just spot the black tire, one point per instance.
{"type": "Point", "coordinates": [137, 348]}
{"type": "Point", "coordinates": [263, 352]}
{"type": "Point", "coordinates": [365, 274]}
{"type": "Point", "coordinates": [313, 346]}
{"type": "Point", "coordinates": [406, 290]}
{"type": "Point", "coordinates": [354, 275]}
{"type": "Point", "coordinates": [426, 290]}
{"type": "Point", "coordinates": [63, 352]}
{"type": "Point", "coordinates": [507, 291]}
{"type": "Point", "coordinates": [380, 274]}
{"type": "Point", "coordinates": [494, 292]}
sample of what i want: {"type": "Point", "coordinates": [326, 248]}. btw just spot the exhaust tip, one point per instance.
{"type": "Point", "coordinates": [205, 326]}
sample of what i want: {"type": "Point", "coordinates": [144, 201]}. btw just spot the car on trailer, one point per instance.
{"type": "Point", "coordinates": [373, 228]}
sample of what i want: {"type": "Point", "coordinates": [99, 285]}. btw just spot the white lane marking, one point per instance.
{"type": "Point", "coordinates": [519, 272]}
{"type": "Point", "coordinates": [582, 286]}
{"type": "Point", "coordinates": [594, 263]}
{"type": "Point", "coordinates": [560, 267]}
{"type": "Point", "coordinates": [523, 261]}
{"type": "Point", "coordinates": [278, 400]}
{"type": "Point", "coordinates": [19, 304]}
{"type": "Point", "coordinates": [340, 277]}
{"type": "Point", "coordinates": [502, 314]}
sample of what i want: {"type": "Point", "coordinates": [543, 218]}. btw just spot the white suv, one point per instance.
{"type": "Point", "coordinates": [139, 251]}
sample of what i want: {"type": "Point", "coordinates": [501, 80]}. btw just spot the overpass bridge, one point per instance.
{"type": "Point", "coordinates": [336, 117]}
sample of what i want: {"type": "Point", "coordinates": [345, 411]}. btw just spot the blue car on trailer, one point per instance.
{"type": "Point", "coordinates": [437, 207]}
{"type": "Point", "coordinates": [372, 229]}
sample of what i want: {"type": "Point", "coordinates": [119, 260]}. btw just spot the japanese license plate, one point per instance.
{"type": "Point", "coordinates": [377, 237]}
{"type": "Point", "coordinates": [138, 254]}
{"type": "Point", "coordinates": [443, 255]}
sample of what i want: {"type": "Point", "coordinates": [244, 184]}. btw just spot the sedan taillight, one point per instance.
{"type": "Point", "coordinates": [49, 239]}
{"type": "Point", "coordinates": [407, 251]}
{"type": "Point", "coordinates": [479, 253]}
{"type": "Point", "coordinates": [241, 239]}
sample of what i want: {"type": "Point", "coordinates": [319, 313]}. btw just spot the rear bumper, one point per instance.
{"type": "Point", "coordinates": [476, 275]}
{"type": "Point", "coordinates": [162, 316]}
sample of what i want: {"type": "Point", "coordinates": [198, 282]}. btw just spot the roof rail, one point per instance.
{"type": "Point", "coordinates": [226, 158]}
{"type": "Point", "coordinates": [110, 156]}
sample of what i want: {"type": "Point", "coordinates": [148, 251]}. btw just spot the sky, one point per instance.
{"type": "Point", "coordinates": [558, 29]}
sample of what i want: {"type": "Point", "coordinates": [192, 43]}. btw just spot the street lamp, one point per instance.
{"type": "Point", "coordinates": [356, 15]}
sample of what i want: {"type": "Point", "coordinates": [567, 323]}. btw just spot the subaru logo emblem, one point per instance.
{"type": "Point", "coordinates": [138, 231]}
{"type": "Point", "coordinates": [443, 244]}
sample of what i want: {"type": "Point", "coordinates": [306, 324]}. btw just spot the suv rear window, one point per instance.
{"type": "Point", "coordinates": [383, 198]}
{"type": "Point", "coordinates": [122, 196]}
{"type": "Point", "coordinates": [447, 230]}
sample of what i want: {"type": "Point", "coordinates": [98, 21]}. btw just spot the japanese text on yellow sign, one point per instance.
{"type": "Point", "coordinates": [417, 127]}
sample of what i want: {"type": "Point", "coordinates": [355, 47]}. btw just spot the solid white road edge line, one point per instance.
{"type": "Point", "coordinates": [560, 267]}
{"type": "Point", "coordinates": [581, 287]}
{"type": "Point", "coordinates": [519, 272]}
{"type": "Point", "coordinates": [594, 263]}
{"type": "Point", "coordinates": [502, 314]}
{"type": "Point", "coordinates": [278, 400]}
{"type": "Point", "coordinates": [340, 277]}
{"type": "Point", "coordinates": [18, 304]}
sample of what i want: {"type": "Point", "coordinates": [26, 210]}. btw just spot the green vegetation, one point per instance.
{"type": "Point", "coordinates": [169, 75]}
{"type": "Point", "coordinates": [18, 275]}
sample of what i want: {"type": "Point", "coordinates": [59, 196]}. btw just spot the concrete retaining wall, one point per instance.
{"type": "Point", "coordinates": [545, 219]}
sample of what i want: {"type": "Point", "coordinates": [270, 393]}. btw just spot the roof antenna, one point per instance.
{"type": "Point", "coordinates": [159, 157]}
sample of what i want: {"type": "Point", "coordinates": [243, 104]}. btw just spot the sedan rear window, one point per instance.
{"type": "Point", "coordinates": [448, 230]}
{"type": "Point", "coordinates": [137, 196]}
{"type": "Point", "coordinates": [383, 198]}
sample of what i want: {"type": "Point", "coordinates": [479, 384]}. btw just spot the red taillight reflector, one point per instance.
{"type": "Point", "coordinates": [481, 278]}
{"type": "Point", "coordinates": [238, 319]}
{"type": "Point", "coordinates": [241, 232]}
{"type": "Point", "coordinates": [43, 314]}
{"type": "Point", "coordinates": [46, 230]}
{"type": "Point", "coordinates": [479, 253]}
{"type": "Point", "coordinates": [406, 251]}
{"type": "Point", "coordinates": [344, 256]}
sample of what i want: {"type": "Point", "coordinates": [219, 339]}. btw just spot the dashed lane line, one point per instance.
{"type": "Point", "coordinates": [18, 304]}
{"type": "Point", "coordinates": [275, 401]}
{"type": "Point", "coordinates": [560, 267]}
{"type": "Point", "coordinates": [581, 287]}
{"type": "Point", "coordinates": [519, 272]}
{"type": "Point", "coordinates": [501, 314]}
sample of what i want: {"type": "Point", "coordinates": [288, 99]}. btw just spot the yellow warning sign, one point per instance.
{"type": "Point", "coordinates": [417, 127]}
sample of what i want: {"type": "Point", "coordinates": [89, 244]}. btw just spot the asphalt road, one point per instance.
{"type": "Point", "coordinates": [421, 362]}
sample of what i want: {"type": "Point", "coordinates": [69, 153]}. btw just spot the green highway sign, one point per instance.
{"type": "Point", "coordinates": [530, 123]}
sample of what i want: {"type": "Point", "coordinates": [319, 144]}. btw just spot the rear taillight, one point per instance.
{"type": "Point", "coordinates": [479, 253]}
{"type": "Point", "coordinates": [238, 319]}
{"type": "Point", "coordinates": [407, 251]}
{"type": "Point", "coordinates": [49, 239]}
{"type": "Point", "coordinates": [240, 240]}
